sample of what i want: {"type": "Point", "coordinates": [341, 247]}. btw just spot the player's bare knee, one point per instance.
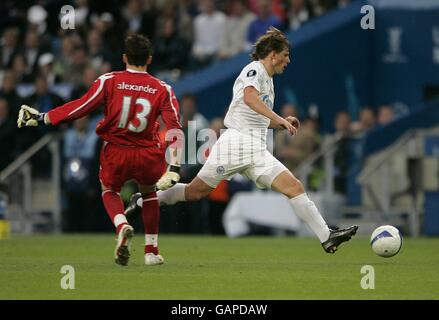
{"type": "Point", "coordinates": [299, 186]}
{"type": "Point", "coordinates": [294, 189]}
{"type": "Point", "coordinates": [197, 189]}
{"type": "Point", "coordinates": [195, 197]}
{"type": "Point", "coordinates": [194, 194]}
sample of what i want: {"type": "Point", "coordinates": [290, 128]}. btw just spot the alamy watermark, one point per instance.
{"type": "Point", "coordinates": [368, 20]}
{"type": "Point", "coordinates": [67, 17]}
{"type": "Point", "coordinates": [68, 280]}
{"type": "Point", "coordinates": [195, 146]}
{"type": "Point", "coordinates": [368, 280]}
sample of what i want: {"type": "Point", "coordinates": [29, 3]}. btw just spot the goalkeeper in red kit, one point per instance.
{"type": "Point", "coordinates": [132, 100]}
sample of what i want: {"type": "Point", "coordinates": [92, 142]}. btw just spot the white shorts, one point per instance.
{"type": "Point", "coordinates": [234, 153]}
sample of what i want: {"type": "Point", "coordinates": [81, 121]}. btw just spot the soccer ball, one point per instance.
{"type": "Point", "coordinates": [386, 241]}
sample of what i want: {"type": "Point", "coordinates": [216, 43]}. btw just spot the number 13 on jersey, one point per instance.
{"type": "Point", "coordinates": [141, 115]}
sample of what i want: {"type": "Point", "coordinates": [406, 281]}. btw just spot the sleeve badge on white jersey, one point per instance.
{"type": "Point", "coordinates": [251, 73]}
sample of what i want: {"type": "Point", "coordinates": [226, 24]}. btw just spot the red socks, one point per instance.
{"type": "Point", "coordinates": [150, 216]}
{"type": "Point", "coordinates": [151, 220]}
{"type": "Point", "coordinates": [114, 206]}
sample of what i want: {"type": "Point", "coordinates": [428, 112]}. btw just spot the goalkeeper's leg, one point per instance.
{"type": "Point", "coordinates": [114, 207]}
{"type": "Point", "coordinates": [151, 219]}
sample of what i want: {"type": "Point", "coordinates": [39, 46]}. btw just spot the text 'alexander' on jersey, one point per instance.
{"type": "Point", "coordinates": [135, 87]}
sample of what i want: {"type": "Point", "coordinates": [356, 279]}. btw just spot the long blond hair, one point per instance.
{"type": "Point", "coordinates": [272, 40]}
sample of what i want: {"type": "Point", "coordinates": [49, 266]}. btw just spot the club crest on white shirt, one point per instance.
{"type": "Point", "coordinates": [251, 73]}
{"type": "Point", "coordinates": [220, 170]}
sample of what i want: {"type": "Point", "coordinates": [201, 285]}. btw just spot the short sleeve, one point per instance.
{"type": "Point", "coordinates": [251, 78]}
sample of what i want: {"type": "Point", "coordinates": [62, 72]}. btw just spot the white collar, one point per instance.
{"type": "Point", "coordinates": [135, 71]}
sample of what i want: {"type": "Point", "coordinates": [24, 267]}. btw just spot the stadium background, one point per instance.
{"type": "Point", "coordinates": [367, 149]}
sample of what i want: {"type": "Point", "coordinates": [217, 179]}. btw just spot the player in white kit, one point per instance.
{"type": "Point", "coordinates": [242, 148]}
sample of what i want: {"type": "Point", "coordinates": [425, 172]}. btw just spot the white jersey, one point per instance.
{"type": "Point", "coordinates": [242, 148]}
{"type": "Point", "coordinates": [240, 116]}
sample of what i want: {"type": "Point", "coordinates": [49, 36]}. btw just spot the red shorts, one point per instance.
{"type": "Point", "coordinates": [122, 163]}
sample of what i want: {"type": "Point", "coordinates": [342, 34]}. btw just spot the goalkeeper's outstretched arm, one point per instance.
{"type": "Point", "coordinates": [70, 111]}
{"type": "Point", "coordinates": [31, 117]}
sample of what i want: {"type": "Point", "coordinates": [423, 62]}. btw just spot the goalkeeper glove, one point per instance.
{"type": "Point", "coordinates": [170, 178]}
{"type": "Point", "coordinates": [29, 117]}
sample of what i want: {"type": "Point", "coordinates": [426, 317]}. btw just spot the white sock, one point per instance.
{"type": "Point", "coordinates": [151, 239]}
{"type": "Point", "coordinates": [119, 219]}
{"type": "Point", "coordinates": [306, 210]}
{"type": "Point", "coordinates": [172, 195]}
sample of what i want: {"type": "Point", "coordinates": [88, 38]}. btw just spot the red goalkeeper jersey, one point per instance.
{"type": "Point", "coordinates": [132, 102]}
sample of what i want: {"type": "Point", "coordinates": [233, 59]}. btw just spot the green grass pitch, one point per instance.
{"type": "Point", "coordinates": [207, 267]}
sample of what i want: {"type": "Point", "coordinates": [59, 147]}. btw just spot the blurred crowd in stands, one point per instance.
{"type": "Point", "coordinates": [36, 55]}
